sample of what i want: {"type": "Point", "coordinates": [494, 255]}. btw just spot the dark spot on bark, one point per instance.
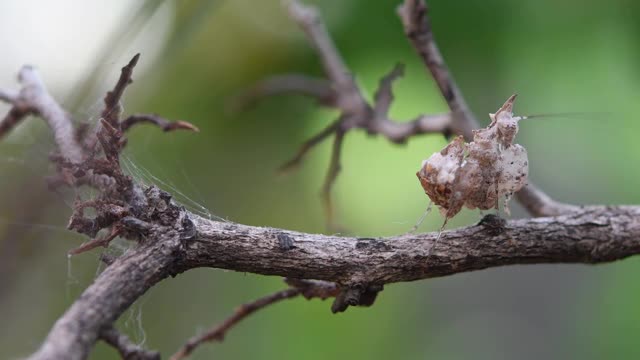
{"type": "Point", "coordinates": [493, 224]}
{"type": "Point", "coordinates": [188, 229]}
{"type": "Point", "coordinates": [285, 242]}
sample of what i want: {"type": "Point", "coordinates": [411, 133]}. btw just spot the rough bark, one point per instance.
{"type": "Point", "coordinates": [595, 234]}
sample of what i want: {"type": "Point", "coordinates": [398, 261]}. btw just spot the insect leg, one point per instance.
{"type": "Point", "coordinates": [435, 242]}
{"type": "Point", "coordinates": [417, 225]}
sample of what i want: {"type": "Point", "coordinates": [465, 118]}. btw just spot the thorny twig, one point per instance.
{"type": "Point", "coordinates": [98, 242]}
{"type": "Point", "coordinates": [162, 123]}
{"type": "Point", "coordinates": [341, 92]}
{"type": "Point", "coordinates": [125, 347]}
{"type": "Point", "coordinates": [79, 161]}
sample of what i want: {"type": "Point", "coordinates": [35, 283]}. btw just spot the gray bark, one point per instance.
{"type": "Point", "coordinates": [595, 234]}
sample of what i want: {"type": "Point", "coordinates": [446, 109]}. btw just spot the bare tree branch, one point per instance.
{"type": "Point", "coordinates": [594, 235]}
{"type": "Point", "coordinates": [311, 23]}
{"type": "Point", "coordinates": [384, 95]}
{"type": "Point", "coordinates": [309, 289]}
{"type": "Point", "coordinates": [127, 349]}
{"type": "Point", "coordinates": [162, 123]}
{"type": "Point", "coordinates": [94, 243]}
{"type": "Point", "coordinates": [112, 107]}
{"type": "Point", "coordinates": [332, 174]}
{"type": "Point", "coordinates": [309, 144]}
{"type": "Point", "coordinates": [33, 98]}
{"type": "Point", "coordinates": [218, 332]}
{"type": "Point", "coordinates": [540, 204]}
{"type": "Point", "coordinates": [417, 27]}
{"type": "Point", "coordinates": [319, 89]}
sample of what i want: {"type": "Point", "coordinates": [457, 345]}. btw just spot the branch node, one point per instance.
{"type": "Point", "coordinates": [127, 349]}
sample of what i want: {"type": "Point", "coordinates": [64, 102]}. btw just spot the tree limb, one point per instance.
{"type": "Point", "coordinates": [33, 98]}
{"type": "Point", "coordinates": [595, 234]}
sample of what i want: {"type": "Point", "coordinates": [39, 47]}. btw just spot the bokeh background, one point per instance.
{"type": "Point", "coordinates": [580, 56]}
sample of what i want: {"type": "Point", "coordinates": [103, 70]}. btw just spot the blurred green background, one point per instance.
{"type": "Point", "coordinates": [196, 55]}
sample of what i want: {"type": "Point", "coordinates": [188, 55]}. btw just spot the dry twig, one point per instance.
{"type": "Point", "coordinates": [308, 289]}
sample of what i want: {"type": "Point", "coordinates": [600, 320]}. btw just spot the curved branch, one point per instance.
{"type": "Point", "coordinates": [320, 89]}
{"type": "Point", "coordinates": [159, 121]}
{"type": "Point", "coordinates": [114, 290]}
{"type": "Point", "coordinates": [34, 98]}
{"type": "Point", "coordinates": [593, 235]}
{"type": "Point", "coordinates": [307, 288]}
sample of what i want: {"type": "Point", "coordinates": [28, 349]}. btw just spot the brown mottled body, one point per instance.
{"type": "Point", "coordinates": [480, 173]}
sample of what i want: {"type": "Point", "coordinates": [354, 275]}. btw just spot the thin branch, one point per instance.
{"type": "Point", "coordinates": [308, 145]}
{"type": "Point", "coordinates": [99, 242]}
{"type": "Point", "coordinates": [320, 89]}
{"type": "Point", "coordinates": [309, 289]}
{"type": "Point", "coordinates": [13, 117]}
{"type": "Point", "coordinates": [218, 332]}
{"type": "Point", "coordinates": [308, 18]}
{"type": "Point", "coordinates": [162, 123]}
{"type": "Point", "coordinates": [112, 108]}
{"type": "Point", "coordinates": [399, 133]}
{"type": "Point", "coordinates": [417, 27]}
{"type": "Point", "coordinates": [332, 174]}
{"type": "Point", "coordinates": [539, 204]}
{"type": "Point", "coordinates": [33, 98]}
{"type": "Point", "coordinates": [127, 349]}
{"type": "Point", "coordinates": [384, 95]}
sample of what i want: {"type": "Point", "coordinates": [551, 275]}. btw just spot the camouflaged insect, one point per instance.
{"type": "Point", "coordinates": [478, 174]}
